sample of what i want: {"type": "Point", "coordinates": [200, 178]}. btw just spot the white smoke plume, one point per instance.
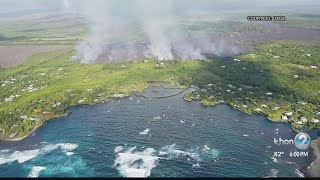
{"type": "Point", "coordinates": [109, 19]}
{"type": "Point", "coordinates": [122, 30]}
{"type": "Point", "coordinates": [154, 27]}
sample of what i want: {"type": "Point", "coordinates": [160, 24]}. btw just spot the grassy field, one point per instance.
{"type": "Point", "coordinates": [277, 78]}
{"type": "Point", "coordinates": [43, 31]}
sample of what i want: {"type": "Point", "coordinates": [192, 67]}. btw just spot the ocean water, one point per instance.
{"type": "Point", "coordinates": [153, 137]}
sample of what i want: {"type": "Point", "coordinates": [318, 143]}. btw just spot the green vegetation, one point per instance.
{"type": "Point", "coordinates": [220, 27]}
{"type": "Point", "coordinates": [275, 79]}
{"type": "Point", "coordinates": [48, 83]}
{"type": "Point", "coordinates": [306, 21]}
{"type": "Point", "coordinates": [55, 31]}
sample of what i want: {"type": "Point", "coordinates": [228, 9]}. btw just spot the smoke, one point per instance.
{"type": "Point", "coordinates": [122, 30]}
{"type": "Point", "coordinates": [111, 22]}
{"type": "Point", "coordinates": [156, 18]}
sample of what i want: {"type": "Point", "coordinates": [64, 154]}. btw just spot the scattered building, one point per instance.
{"type": "Point", "coordinates": [82, 100]}
{"type": "Point", "coordinates": [303, 119]}
{"type": "Point", "coordinates": [264, 105]}
{"type": "Point", "coordinates": [269, 94]}
{"type": "Point", "coordinates": [302, 103]}
{"type": "Point", "coordinates": [284, 118]}
{"type": "Point", "coordinates": [24, 117]}
{"type": "Point", "coordinates": [295, 76]}
{"type": "Point", "coordinates": [13, 135]}
{"type": "Point", "coordinates": [275, 108]}
{"type": "Point", "coordinates": [100, 94]}
{"type": "Point", "coordinates": [57, 104]}
{"type": "Point", "coordinates": [276, 57]}
{"type": "Point", "coordinates": [288, 114]}
{"type": "Point", "coordinates": [118, 95]}
{"type": "Point", "coordinates": [258, 110]}
{"type": "Point", "coordinates": [9, 99]}
{"type": "Point", "coordinates": [315, 120]}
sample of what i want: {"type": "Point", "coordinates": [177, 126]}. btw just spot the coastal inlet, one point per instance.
{"type": "Point", "coordinates": [149, 136]}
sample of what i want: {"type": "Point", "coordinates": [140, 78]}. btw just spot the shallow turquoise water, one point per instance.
{"type": "Point", "coordinates": [156, 137]}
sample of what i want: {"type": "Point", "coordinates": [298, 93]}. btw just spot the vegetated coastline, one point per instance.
{"type": "Point", "coordinates": [260, 82]}
{"type": "Point", "coordinates": [152, 84]}
{"type": "Point", "coordinates": [311, 170]}
{"type": "Point", "coordinates": [274, 64]}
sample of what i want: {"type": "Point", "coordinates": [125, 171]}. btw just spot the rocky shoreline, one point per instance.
{"type": "Point", "coordinates": [21, 138]}
{"type": "Point", "coordinates": [313, 170]}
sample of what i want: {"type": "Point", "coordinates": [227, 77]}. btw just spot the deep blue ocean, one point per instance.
{"type": "Point", "coordinates": [153, 137]}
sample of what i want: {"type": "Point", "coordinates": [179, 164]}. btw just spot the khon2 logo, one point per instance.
{"type": "Point", "coordinates": [302, 141]}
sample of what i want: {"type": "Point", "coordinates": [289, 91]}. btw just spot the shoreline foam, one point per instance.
{"type": "Point", "coordinates": [313, 169]}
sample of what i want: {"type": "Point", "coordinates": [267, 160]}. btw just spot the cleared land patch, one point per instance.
{"type": "Point", "coordinates": [14, 55]}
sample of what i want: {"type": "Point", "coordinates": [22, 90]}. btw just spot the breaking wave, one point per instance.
{"type": "Point", "coordinates": [138, 163]}
{"type": "Point", "coordinates": [273, 173]}
{"type": "Point", "coordinates": [299, 173]}
{"type": "Point", "coordinates": [20, 156]}
{"type": "Point", "coordinates": [7, 155]}
{"type": "Point", "coordinates": [197, 154]}
{"type": "Point", "coordinates": [145, 132]}
{"type": "Point", "coordinates": [133, 163]}
{"type": "Point", "coordinates": [35, 171]}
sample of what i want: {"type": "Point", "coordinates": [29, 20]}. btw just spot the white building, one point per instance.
{"type": "Point", "coordinates": [304, 119]}
{"type": "Point", "coordinates": [288, 113]}
{"type": "Point", "coordinates": [315, 120]}
{"type": "Point", "coordinates": [284, 118]}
